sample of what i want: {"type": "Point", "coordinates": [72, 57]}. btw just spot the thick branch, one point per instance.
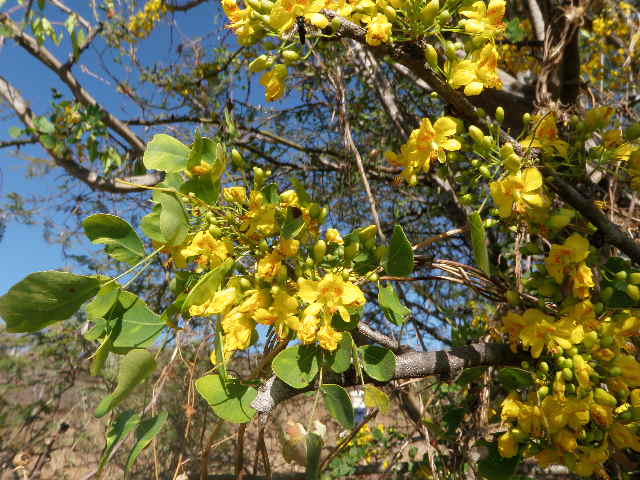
{"type": "Point", "coordinates": [46, 57]}
{"type": "Point", "coordinates": [91, 178]}
{"type": "Point", "coordinates": [447, 363]}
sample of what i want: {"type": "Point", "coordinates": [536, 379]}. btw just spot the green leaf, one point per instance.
{"type": "Point", "coordinates": [174, 223]}
{"type": "Point", "coordinates": [338, 403]}
{"type": "Point", "coordinates": [15, 132]}
{"type": "Point", "coordinates": [120, 428]}
{"type": "Point", "coordinates": [293, 223]}
{"type": "Point", "coordinates": [341, 326]}
{"type": "Point", "coordinates": [144, 434]}
{"type": "Point", "coordinates": [150, 225]}
{"type": "Point", "coordinates": [297, 366]}
{"type": "Point", "coordinates": [203, 187]}
{"type": "Point", "coordinates": [469, 375]}
{"type": "Point", "coordinates": [202, 150]}
{"type": "Point", "coordinates": [393, 309]}
{"type": "Point", "coordinates": [376, 398]}
{"type": "Point", "coordinates": [5, 31]}
{"type": "Point", "coordinates": [166, 153]}
{"type": "Point", "coordinates": [378, 362]}
{"type": "Point", "coordinates": [495, 467]}
{"type": "Point", "coordinates": [515, 378]}
{"type": "Point", "coordinates": [44, 125]}
{"type": "Point", "coordinates": [121, 240]}
{"type": "Point", "coordinates": [208, 285]}
{"type": "Point", "coordinates": [314, 449]}
{"type": "Point", "coordinates": [138, 326]}
{"type": "Point", "coordinates": [479, 242]}
{"type": "Point", "coordinates": [230, 400]}
{"type": "Point", "coordinates": [340, 359]}
{"type": "Point", "coordinates": [270, 193]}
{"type": "Point", "coordinates": [400, 258]}
{"type": "Point", "coordinates": [104, 301]}
{"type": "Point", "coordinates": [44, 298]}
{"type": "Point", "coordinates": [515, 32]}
{"type": "Point", "coordinates": [135, 367]}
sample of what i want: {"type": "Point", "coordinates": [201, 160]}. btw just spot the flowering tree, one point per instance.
{"type": "Point", "coordinates": [531, 136]}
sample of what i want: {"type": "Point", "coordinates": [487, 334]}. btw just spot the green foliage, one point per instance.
{"type": "Point", "coordinates": [338, 403]}
{"type": "Point", "coordinates": [44, 298]}
{"type": "Point", "coordinates": [376, 398]}
{"type": "Point", "coordinates": [340, 359]}
{"type": "Point", "coordinates": [297, 366]}
{"type": "Point", "coordinates": [145, 433]}
{"type": "Point", "coordinates": [479, 242]}
{"type": "Point", "coordinates": [174, 224]}
{"type": "Point", "coordinates": [229, 399]}
{"type": "Point", "coordinates": [135, 368]}
{"type": "Point", "coordinates": [207, 285]}
{"type": "Point", "coordinates": [378, 362]}
{"type": "Point", "coordinates": [121, 240]}
{"type": "Point", "coordinates": [391, 305]}
{"type": "Point", "coordinates": [124, 424]}
{"type": "Point", "coordinates": [515, 378]}
{"type": "Point", "coordinates": [400, 256]}
{"type": "Point", "coordinates": [495, 467]}
{"type": "Point", "coordinates": [166, 153]}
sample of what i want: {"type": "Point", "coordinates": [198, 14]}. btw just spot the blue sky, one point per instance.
{"type": "Point", "coordinates": [23, 249]}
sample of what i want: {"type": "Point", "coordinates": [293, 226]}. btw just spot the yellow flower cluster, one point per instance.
{"type": "Point", "coordinates": [425, 144]}
{"type": "Point", "coordinates": [292, 293]}
{"type": "Point", "coordinates": [142, 23]}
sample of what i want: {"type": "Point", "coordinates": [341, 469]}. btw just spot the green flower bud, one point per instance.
{"type": "Point", "coordinates": [429, 12]}
{"type": "Point", "coordinates": [621, 275]}
{"type": "Point", "coordinates": [526, 118]}
{"type": "Point", "coordinates": [476, 134]}
{"type": "Point", "coordinates": [261, 63]}
{"type": "Point", "coordinates": [543, 392]}
{"type": "Point", "coordinates": [319, 250]}
{"type": "Point", "coordinates": [324, 212]}
{"type": "Point", "coordinates": [290, 56]}
{"type": "Point", "coordinates": [431, 55]}
{"type": "Point", "coordinates": [443, 17]}
{"type": "Point", "coordinates": [373, 277]}
{"type": "Point", "coordinates": [314, 210]}
{"type": "Point", "coordinates": [606, 341]}
{"type": "Point", "coordinates": [606, 293]}
{"type": "Point", "coordinates": [603, 397]}
{"type": "Point", "coordinates": [500, 114]}
{"type": "Point", "coordinates": [615, 372]}
{"type": "Point", "coordinates": [634, 292]}
{"type": "Point", "coordinates": [513, 163]}
{"type": "Point", "coordinates": [634, 278]}
{"type": "Point", "coordinates": [484, 171]}
{"type": "Point", "coordinates": [567, 373]}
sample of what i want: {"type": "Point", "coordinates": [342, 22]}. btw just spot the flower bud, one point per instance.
{"type": "Point", "coordinates": [500, 114]}
{"type": "Point", "coordinates": [428, 12]}
{"type": "Point", "coordinates": [602, 397]}
{"type": "Point", "coordinates": [431, 55]}
{"type": "Point", "coordinates": [634, 292]}
{"type": "Point", "coordinates": [319, 249]}
{"type": "Point", "coordinates": [634, 278]}
{"type": "Point", "coordinates": [443, 17]}
{"type": "Point", "coordinates": [261, 63]}
{"type": "Point", "coordinates": [290, 56]}
{"type": "Point", "coordinates": [513, 163]}
{"type": "Point", "coordinates": [476, 134]}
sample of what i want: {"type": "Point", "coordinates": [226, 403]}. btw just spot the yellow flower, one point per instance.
{"type": "Point", "coordinates": [235, 194]}
{"type": "Point", "coordinates": [260, 221]}
{"type": "Point", "coordinates": [529, 416]}
{"type": "Point", "coordinates": [566, 440]}
{"type": "Point", "coordinates": [478, 72]}
{"type": "Point", "coordinates": [333, 236]}
{"type": "Point", "coordinates": [288, 247]}
{"type": "Point", "coordinates": [238, 330]}
{"type": "Point", "coordinates": [630, 369]}
{"type": "Point", "coordinates": [269, 266]}
{"type": "Point", "coordinates": [519, 193]}
{"type": "Point", "coordinates": [582, 281]}
{"type": "Point", "coordinates": [483, 21]}
{"type": "Point", "coordinates": [424, 145]}
{"type": "Point", "coordinates": [308, 325]}
{"type": "Point", "coordinates": [328, 337]}
{"type": "Point", "coordinates": [622, 437]}
{"type": "Point", "coordinates": [332, 294]}
{"type": "Point", "coordinates": [512, 324]}
{"type": "Point", "coordinates": [574, 249]}
{"type": "Point", "coordinates": [281, 313]}
{"type": "Point", "coordinates": [211, 252]}
{"type": "Point", "coordinates": [546, 136]}
{"type": "Point", "coordinates": [378, 30]}
{"type": "Point", "coordinates": [219, 303]}
{"type": "Point", "coordinates": [507, 445]}
{"type": "Point", "coordinates": [273, 81]}
{"type": "Point", "coordinates": [590, 459]}
{"type": "Point", "coordinates": [543, 331]}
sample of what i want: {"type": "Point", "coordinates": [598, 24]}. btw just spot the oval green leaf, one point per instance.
{"type": "Point", "coordinates": [391, 305]}
{"type": "Point", "coordinates": [174, 224]}
{"type": "Point", "coordinates": [120, 239]}
{"type": "Point", "coordinates": [340, 359]}
{"type": "Point", "coordinates": [378, 362]}
{"type": "Point", "coordinates": [297, 366]}
{"type": "Point", "coordinates": [44, 298]}
{"type": "Point", "coordinates": [134, 369]}
{"type": "Point", "coordinates": [230, 400]}
{"type": "Point", "coordinates": [338, 403]}
{"type": "Point", "coordinates": [515, 378]}
{"type": "Point", "coordinates": [376, 398]}
{"type": "Point", "coordinates": [400, 258]}
{"type": "Point", "coordinates": [166, 153]}
{"type": "Point", "coordinates": [144, 434]}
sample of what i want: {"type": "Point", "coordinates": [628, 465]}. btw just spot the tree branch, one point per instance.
{"type": "Point", "coordinates": [447, 363]}
{"type": "Point", "coordinates": [89, 177]}
{"type": "Point", "coordinates": [47, 58]}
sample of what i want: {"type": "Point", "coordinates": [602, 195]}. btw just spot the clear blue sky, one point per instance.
{"type": "Point", "coordinates": [23, 249]}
